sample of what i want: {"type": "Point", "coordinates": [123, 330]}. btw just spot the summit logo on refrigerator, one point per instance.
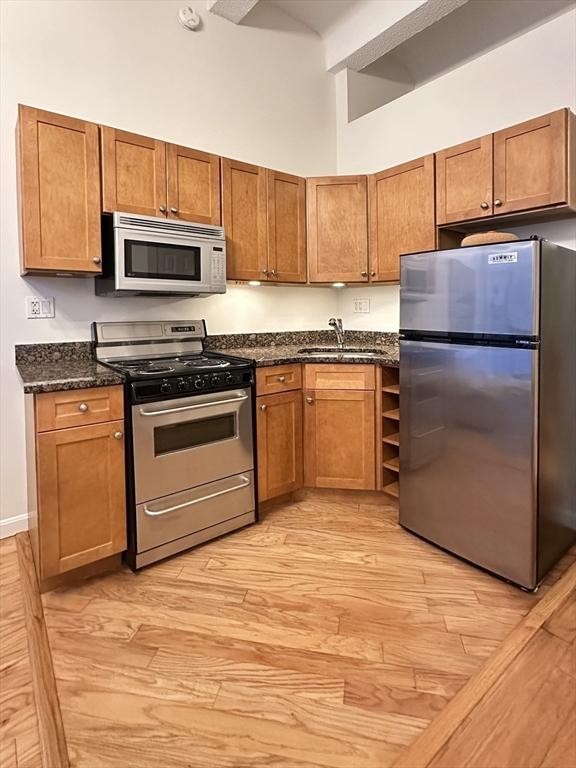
{"type": "Point", "coordinates": [502, 258]}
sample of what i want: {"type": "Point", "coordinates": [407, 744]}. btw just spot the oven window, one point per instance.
{"type": "Point", "coordinates": [191, 434]}
{"type": "Point", "coordinates": [161, 262]}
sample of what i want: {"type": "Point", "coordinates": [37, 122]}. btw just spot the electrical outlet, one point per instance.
{"type": "Point", "coordinates": [39, 307]}
{"type": "Point", "coordinates": [361, 305]}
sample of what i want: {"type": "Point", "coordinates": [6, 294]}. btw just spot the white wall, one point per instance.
{"type": "Point", "coordinates": [528, 76]}
{"type": "Point", "coordinates": [258, 92]}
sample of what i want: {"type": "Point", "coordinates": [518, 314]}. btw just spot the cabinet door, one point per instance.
{"type": "Point", "coordinates": [133, 173]}
{"type": "Point", "coordinates": [339, 439]}
{"type": "Point", "coordinates": [244, 216]}
{"type": "Point", "coordinates": [464, 181]}
{"type": "Point", "coordinates": [337, 229]}
{"type": "Point", "coordinates": [81, 501]}
{"type": "Point", "coordinates": [279, 420]}
{"type": "Point", "coordinates": [193, 185]}
{"type": "Point", "coordinates": [286, 227]}
{"type": "Point", "coordinates": [530, 167]}
{"type": "Point", "coordinates": [59, 186]}
{"type": "Point", "coordinates": [401, 216]}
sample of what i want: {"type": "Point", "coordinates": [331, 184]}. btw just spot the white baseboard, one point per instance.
{"type": "Point", "coordinates": [11, 525]}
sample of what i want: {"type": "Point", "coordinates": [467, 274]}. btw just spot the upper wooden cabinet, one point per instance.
{"type": "Point", "coordinates": [464, 181]}
{"type": "Point", "coordinates": [337, 208]}
{"type": "Point", "coordinates": [264, 215]}
{"type": "Point", "coordinates": [286, 195]}
{"type": "Point", "coordinates": [401, 216]}
{"type": "Point", "coordinates": [244, 219]}
{"type": "Point", "coordinates": [531, 164]}
{"type": "Point", "coordinates": [521, 168]}
{"type": "Point", "coordinates": [59, 187]}
{"type": "Point", "coordinates": [133, 173]}
{"type": "Point", "coordinates": [152, 178]}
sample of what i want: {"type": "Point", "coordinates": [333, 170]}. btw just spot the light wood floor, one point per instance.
{"type": "Point", "coordinates": [325, 636]}
{"type": "Point", "coordinates": [19, 740]}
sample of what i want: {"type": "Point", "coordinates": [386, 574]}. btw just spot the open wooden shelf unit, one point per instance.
{"type": "Point", "coordinates": [388, 413]}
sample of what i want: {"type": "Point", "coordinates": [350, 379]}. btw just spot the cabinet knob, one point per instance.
{"type": "Point", "coordinates": [83, 407]}
{"type": "Point", "coordinates": [309, 400]}
{"type": "Point", "coordinates": [273, 273]}
{"type": "Point", "coordinates": [497, 203]}
{"type": "Point", "coordinates": [118, 435]}
{"type": "Point", "coordinates": [173, 210]}
{"type": "Point", "coordinates": [265, 272]}
{"type": "Point", "coordinates": [364, 274]}
{"type": "Point", "coordinates": [281, 379]}
{"type": "Point", "coordinates": [484, 206]}
{"type": "Point", "coordinates": [97, 260]}
{"type": "Point", "coordinates": [162, 208]}
{"type": "Point", "coordinates": [263, 407]}
{"type": "Point", "coordinates": [372, 274]}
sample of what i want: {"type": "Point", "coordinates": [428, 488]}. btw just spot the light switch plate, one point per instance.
{"type": "Point", "coordinates": [39, 307]}
{"type": "Point", "coordinates": [361, 305]}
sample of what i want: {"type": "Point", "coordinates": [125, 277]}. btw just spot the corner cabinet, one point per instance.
{"type": "Point", "coordinates": [59, 189]}
{"type": "Point", "coordinates": [153, 178]}
{"type": "Point", "coordinates": [337, 219]}
{"type": "Point", "coordinates": [339, 426]}
{"type": "Point", "coordinates": [401, 216]}
{"type": "Point", "coordinates": [78, 442]}
{"type": "Point", "coordinates": [264, 215]}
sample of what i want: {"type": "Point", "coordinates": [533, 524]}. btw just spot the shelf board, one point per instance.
{"type": "Point", "coordinates": [393, 464]}
{"type": "Point", "coordinates": [392, 490]}
{"type": "Point", "coordinates": [392, 439]}
{"type": "Point", "coordinates": [394, 414]}
{"type": "Point", "coordinates": [394, 389]}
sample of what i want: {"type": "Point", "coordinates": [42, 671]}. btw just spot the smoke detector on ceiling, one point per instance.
{"type": "Point", "coordinates": [189, 19]}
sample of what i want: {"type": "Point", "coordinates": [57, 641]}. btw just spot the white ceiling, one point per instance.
{"type": "Point", "coordinates": [318, 15]}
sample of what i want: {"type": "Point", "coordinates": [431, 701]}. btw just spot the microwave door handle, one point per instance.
{"type": "Point", "coordinates": [245, 482]}
{"type": "Point", "coordinates": [238, 399]}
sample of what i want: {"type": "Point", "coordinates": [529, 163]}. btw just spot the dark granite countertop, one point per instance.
{"type": "Point", "coordinates": [70, 365]}
{"type": "Point", "coordinates": [281, 354]}
{"type": "Point", "coordinates": [62, 366]}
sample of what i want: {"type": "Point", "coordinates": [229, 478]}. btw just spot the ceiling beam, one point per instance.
{"type": "Point", "coordinates": [233, 10]}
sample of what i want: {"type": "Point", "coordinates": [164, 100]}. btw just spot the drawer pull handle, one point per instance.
{"type": "Point", "coordinates": [118, 435]}
{"type": "Point", "coordinates": [245, 482]}
{"type": "Point", "coordinates": [263, 407]}
{"type": "Point", "coordinates": [83, 407]}
{"type": "Point", "coordinates": [281, 379]}
{"type": "Point", "coordinates": [309, 400]}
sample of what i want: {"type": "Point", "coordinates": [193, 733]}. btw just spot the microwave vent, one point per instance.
{"type": "Point", "coordinates": [163, 225]}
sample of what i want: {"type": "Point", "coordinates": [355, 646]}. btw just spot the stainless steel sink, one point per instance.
{"type": "Point", "coordinates": [338, 353]}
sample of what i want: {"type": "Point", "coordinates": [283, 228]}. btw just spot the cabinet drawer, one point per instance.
{"type": "Point", "coordinates": [59, 410]}
{"type": "Point", "coordinates": [278, 378]}
{"type": "Point", "coordinates": [338, 376]}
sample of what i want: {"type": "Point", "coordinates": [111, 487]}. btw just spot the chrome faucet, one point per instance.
{"type": "Point", "coordinates": [336, 323]}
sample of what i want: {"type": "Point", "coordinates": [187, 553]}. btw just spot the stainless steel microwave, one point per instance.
{"type": "Point", "coordinates": [148, 255]}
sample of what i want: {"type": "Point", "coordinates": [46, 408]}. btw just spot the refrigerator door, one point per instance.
{"type": "Point", "coordinates": [489, 289]}
{"type": "Point", "coordinates": [468, 452]}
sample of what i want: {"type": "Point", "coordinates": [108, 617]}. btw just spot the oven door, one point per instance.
{"type": "Point", "coordinates": [161, 263]}
{"type": "Point", "coordinates": [183, 443]}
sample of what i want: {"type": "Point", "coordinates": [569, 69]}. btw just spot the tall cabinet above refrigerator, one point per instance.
{"type": "Point", "coordinates": [488, 404]}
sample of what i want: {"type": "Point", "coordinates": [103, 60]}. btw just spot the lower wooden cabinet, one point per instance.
{"type": "Point", "coordinates": [339, 439]}
{"type": "Point", "coordinates": [76, 478]}
{"type": "Point", "coordinates": [279, 424]}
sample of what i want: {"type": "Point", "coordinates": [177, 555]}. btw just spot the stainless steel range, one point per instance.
{"type": "Point", "coordinates": [190, 417]}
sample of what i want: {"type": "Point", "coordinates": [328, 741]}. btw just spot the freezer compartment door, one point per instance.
{"type": "Point", "coordinates": [489, 289]}
{"type": "Point", "coordinates": [468, 452]}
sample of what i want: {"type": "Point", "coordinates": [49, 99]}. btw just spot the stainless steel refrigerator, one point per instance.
{"type": "Point", "coordinates": [488, 403]}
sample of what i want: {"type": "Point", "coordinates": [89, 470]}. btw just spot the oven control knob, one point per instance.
{"type": "Point", "coordinates": [182, 385]}
{"type": "Point", "coordinates": [215, 381]}
{"type": "Point", "coordinates": [229, 378]}
{"type": "Point", "coordinates": [165, 388]}
{"type": "Point", "coordinates": [200, 383]}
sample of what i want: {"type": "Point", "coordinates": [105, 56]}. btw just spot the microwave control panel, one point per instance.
{"type": "Point", "coordinates": [218, 261]}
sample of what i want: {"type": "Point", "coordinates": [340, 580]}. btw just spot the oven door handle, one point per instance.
{"type": "Point", "coordinates": [150, 513]}
{"type": "Point", "coordinates": [238, 399]}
